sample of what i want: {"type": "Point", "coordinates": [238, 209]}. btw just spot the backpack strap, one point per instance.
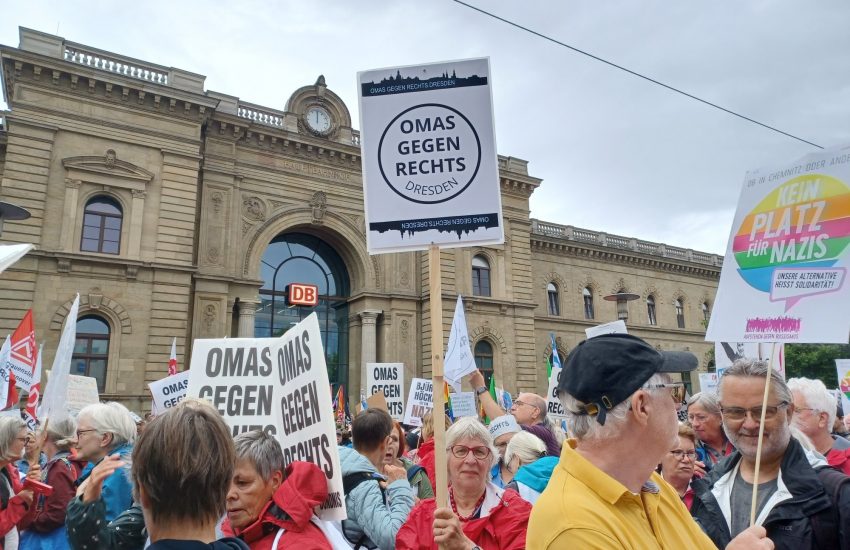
{"type": "Point", "coordinates": [825, 523]}
{"type": "Point", "coordinates": [415, 469]}
{"type": "Point", "coordinates": [349, 482]}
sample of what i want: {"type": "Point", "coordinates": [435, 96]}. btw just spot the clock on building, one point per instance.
{"type": "Point", "coordinates": [318, 120]}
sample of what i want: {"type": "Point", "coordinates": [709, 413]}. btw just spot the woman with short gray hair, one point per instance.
{"type": "Point", "coordinates": [14, 500]}
{"type": "Point", "coordinates": [105, 429]}
{"type": "Point", "coordinates": [481, 514]}
{"type": "Point", "coordinates": [704, 418]}
{"type": "Point", "coordinates": [526, 457]}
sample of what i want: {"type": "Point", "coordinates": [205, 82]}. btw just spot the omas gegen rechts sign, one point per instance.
{"type": "Point", "coordinates": [429, 159]}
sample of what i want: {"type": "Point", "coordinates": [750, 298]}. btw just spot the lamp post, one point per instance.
{"type": "Point", "coordinates": [9, 211]}
{"type": "Point", "coordinates": [622, 299]}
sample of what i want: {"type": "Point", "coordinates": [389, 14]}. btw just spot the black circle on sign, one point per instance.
{"type": "Point", "coordinates": [381, 146]}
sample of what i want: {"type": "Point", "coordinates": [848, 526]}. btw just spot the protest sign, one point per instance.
{"type": "Point", "coordinates": [420, 401]}
{"type": "Point", "coordinates": [279, 385]}
{"type": "Point", "coordinates": [843, 367]}
{"type": "Point", "coordinates": [82, 391]}
{"type": "Point", "coordinates": [463, 404]}
{"type": "Point", "coordinates": [726, 353]}
{"type": "Point", "coordinates": [554, 408]}
{"type": "Point", "coordinates": [430, 173]}
{"type": "Point", "coordinates": [169, 391]}
{"type": "Point", "coordinates": [614, 327]}
{"type": "Point", "coordinates": [708, 382]}
{"type": "Point", "coordinates": [388, 378]}
{"type": "Point", "coordinates": [783, 276]}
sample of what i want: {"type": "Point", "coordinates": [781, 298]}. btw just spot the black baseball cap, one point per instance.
{"type": "Point", "coordinates": [605, 370]}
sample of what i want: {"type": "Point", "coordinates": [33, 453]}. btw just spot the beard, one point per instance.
{"type": "Point", "coordinates": [774, 443]}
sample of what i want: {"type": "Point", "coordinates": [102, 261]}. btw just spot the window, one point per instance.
{"type": "Point", "coordinates": [680, 313]}
{"type": "Point", "coordinates": [588, 303]}
{"type": "Point", "coordinates": [91, 350]}
{"type": "Point", "coordinates": [706, 312]}
{"type": "Point", "coordinates": [650, 310]}
{"type": "Point", "coordinates": [102, 226]}
{"type": "Point", "coordinates": [484, 360]}
{"type": "Point", "coordinates": [480, 276]}
{"type": "Point", "coordinates": [552, 294]}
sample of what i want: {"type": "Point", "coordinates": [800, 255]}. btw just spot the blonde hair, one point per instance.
{"type": "Point", "coordinates": [525, 446]}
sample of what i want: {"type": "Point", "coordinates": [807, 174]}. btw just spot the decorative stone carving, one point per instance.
{"type": "Point", "coordinates": [319, 204]}
{"type": "Point", "coordinates": [213, 255]}
{"type": "Point", "coordinates": [139, 193]}
{"type": "Point", "coordinates": [210, 315]}
{"type": "Point", "coordinates": [110, 157]}
{"type": "Point", "coordinates": [254, 208]}
{"type": "Point", "coordinates": [73, 184]}
{"type": "Point", "coordinates": [491, 334]}
{"type": "Point", "coordinates": [95, 298]}
{"type": "Point", "coordinates": [63, 265]}
{"type": "Point", "coordinates": [405, 330]}
{"type": "Point", "coordinates": [246, 226]}
{"type": "Point", "coordinates": [403, 279]}
{"type": "Point", "coordinates": [620, 286]}
{"type": "Point", "coordinates": [377, 268]}
{"type": "Point", "coordinates": [217, 200]}
{"type": "Point", "coordinates": [554, 278]}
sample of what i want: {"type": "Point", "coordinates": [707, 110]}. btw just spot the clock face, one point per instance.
{"type": "Point", "coordinates": [318, 120]}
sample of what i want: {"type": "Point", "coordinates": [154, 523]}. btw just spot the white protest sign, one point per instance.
{"type": "Point", "coordinates": [82, 391]}
{"type": "Point", "coordinates": [420, 401]}
{"type": "Point", "coordinates": [459, 360]}
{"type": "Point", "coordinates": [430, 172]}
{"type": "Point", "coordinates": [554, 408]}
{"type": "Point", "coordinates": [614, 327]}
{"type": "Point", "coordinates": [388, 377]}
{"type": "Point", "coordinates": [463, 404]}
{"type": "Point", "coordinates": [169, 391]}
{"type": "Point", "coordinates": [843, 367]}
{"type": "Point", "coordinates": [708, 382]}
{"type": "Point", "coordinates": [726, 353]}
{"type": "Point", "coordinates": [783, 277]}
{"type": "Point", "coordinates": [279, 385]}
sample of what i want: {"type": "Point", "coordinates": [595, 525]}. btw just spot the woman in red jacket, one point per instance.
{"type": "Point", "coordinates": [269, 508]}
{"type": "Point", "coordinates": [480, 514]}
{"type": "Point", "coordinates": [46, 520]}
{"type": "Point", "coordinates": [14, 502]}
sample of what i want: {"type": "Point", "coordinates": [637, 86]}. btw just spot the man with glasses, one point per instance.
{"type": "Point", "coordinates": [801, 501]}
{"type": "Point", "coordinates": [621, 408]}
{"type": "Point", "coordinates": [529, 410]}
{"type": "Point", "coordinates": [814, 415]}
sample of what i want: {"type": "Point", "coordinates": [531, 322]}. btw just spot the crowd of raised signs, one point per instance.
{"type": "Point", "coordinates": [628, 474]}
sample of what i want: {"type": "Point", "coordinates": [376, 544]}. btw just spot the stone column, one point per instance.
{"type": "Point", "coordinates": [368, 342]}
{"type": "Point", "coordinates": [247, 308]}
{"type": "Point", "coordinates": [134, 240]}
{"type": "Point", "coordinates": [69, 218]}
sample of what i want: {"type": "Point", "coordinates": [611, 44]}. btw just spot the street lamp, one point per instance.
{"type": "Point", "coordinates": [622, 299]}
{"type": "Point", "coordinates": [9, 211]}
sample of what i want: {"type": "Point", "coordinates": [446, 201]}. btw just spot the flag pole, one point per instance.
{"type": "Point", "coordinates": [436, 305]}
{"type": "Point", "coordinates": [754, 500]}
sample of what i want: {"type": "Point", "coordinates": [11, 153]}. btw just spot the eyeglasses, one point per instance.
{"type": "Point", "coordinates": [80, 432]}
{"type": "Point", "coordinates": [462, 451]}
{"type": "Point", "coordinates": [677, 390]}
{"type": "Point", "coordinates": [519, 403]}
{"type": "Point", "coordinates": [680, 454]}
{"type": "Point", "coordinates": [739, 413]}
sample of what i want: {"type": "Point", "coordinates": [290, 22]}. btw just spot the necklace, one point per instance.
{"type": "Point", "coordinates": [474, 510]}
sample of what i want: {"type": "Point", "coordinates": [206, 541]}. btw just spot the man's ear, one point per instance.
{"type": "Point", "coordinates": [641, 407]}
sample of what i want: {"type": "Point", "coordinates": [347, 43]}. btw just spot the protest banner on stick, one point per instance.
{"type": "Point", "coordinates": [169, 391]}
{"type": "Point", "coordinates": [420, 401]}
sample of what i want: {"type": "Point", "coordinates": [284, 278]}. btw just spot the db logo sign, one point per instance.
{"type": "Point", "coordinates": [298, 294]}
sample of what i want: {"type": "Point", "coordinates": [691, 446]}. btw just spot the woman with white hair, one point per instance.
{"type": "Point", "coordinates": [44, 525]}
{"type": "Point", "coordinates": [14, 501]}
{"type": "Point", "coordinates": [526, 457]}
{"type": "Point", "coordinates": [480, 514]}
{"type": "Point", "coordinates": [704, 418]}
{"type": "Point", "coordinates": [105, 429]}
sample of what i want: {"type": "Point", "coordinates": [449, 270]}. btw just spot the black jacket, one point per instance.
{"type": "Point", "coordinates": [789, 524]}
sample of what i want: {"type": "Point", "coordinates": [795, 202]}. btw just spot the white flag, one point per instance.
{"type": "Point", "coordinates": [459, 359]}
{"type": "Point", "coordinates": [11, 253]}
{"type": "Point", "coordinates": [5, 369]}
{"type": "Point", "coordinates": [55, 401]}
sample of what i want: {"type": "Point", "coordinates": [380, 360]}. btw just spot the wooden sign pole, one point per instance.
{"type": "Point", "coordinates": [436, 305]}
{"type": "Point", "coordinates": [761, 437]}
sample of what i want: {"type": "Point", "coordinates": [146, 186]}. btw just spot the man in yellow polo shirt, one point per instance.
{"type": "Point", "coordinates": [604, 493]}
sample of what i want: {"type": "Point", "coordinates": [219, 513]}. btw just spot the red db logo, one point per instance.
{"type": "Point", "coordinates": [298, 294]}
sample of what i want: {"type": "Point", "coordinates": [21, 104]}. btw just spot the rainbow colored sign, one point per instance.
{"type": "Point", "coordinates": [787, 252]}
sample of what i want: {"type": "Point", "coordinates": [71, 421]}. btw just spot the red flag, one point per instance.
{"type": "Point", "coordinates": [34, 393]}
{"type": "Point", "coordinates": [23, 353]}
{"type": "Point", "coordinates": [172, 361]}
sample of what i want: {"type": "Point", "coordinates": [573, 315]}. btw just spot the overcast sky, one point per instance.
{"type": "Point", "coordinates": [615, 153]}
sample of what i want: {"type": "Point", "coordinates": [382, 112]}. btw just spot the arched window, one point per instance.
{"type": "Point", "coordinates": [552, 294]}
{"type": "Point", "coordinates": [588, 303]}
{"type": "Point", "coordinates": [650, 310]}
{"type": "Point", "coordinates": [680, 313]}
{"type": "Point", "coordinates": [102, 226]}
{"type": "Point", "coordinates": [91, 350]}
{"type": "Point", "coordinates": [484, 359]}
{"type": "Point", "coordinates": [706, 312]}
{"type": "Point", "coordinates": [480, 276]}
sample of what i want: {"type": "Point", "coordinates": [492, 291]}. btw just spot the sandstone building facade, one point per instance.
{"type": "Point", "coordinates": [181, 212]}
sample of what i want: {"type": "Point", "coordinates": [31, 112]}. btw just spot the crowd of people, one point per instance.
{"type": "Point", "coordinates": [627, 474]}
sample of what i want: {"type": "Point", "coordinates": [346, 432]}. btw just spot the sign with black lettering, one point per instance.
{"type": "Point", "coordinates": [169, 391]}
{"type": "Point", "coordinates": [554, 408]}
{"type": "Point", "coordinates": [420, 401]}
{"type": "Point", "coordinates": [389, 378]}
{"type": "Point", "coordinates": [430, 172]}
{"type": "Point", "coordinates": [279, 385]}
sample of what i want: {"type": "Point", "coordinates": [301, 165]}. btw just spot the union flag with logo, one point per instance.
{"type": "Point", "coordinates": [23, 353]}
